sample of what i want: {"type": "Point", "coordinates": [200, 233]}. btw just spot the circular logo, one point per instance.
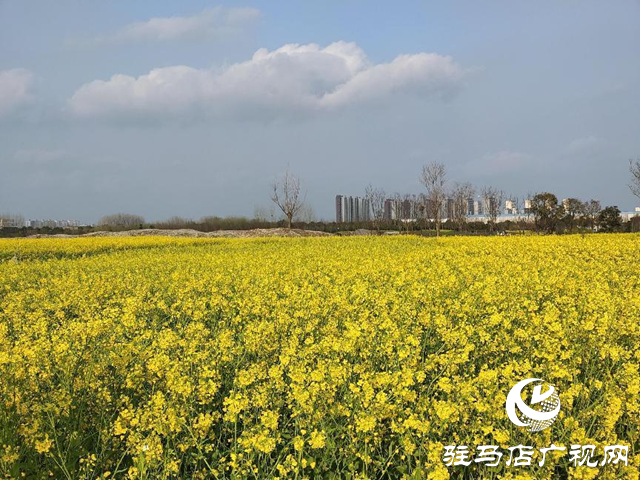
{"type": "Point", "coordinates": [543, 410]}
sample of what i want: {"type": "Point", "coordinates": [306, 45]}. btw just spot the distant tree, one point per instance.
{"type": "Point", "coordinates": [406, 199]}
{"type": "Point", "coordinates": [591, 210]}
{"type": "Point", "coordinates": [609, 219]}
{"type": "Point", "coordinates": [546, 211]}
{"type": "Point", "coordinates": [573, 209]}
{"type": "Point", "coordinates": [376, 198]}
{"type": "Point", "coordinates": [422, 208]}
{"type": "Point", "coordinates": [287, 196]}
{"type": "Point", "coordinates": [461, 193]}
{"type": "Point", "coordinates": [212, 223]}
{"type": "Point", "coordinates": [175, 223]}
{"type": "Point", "coordinates": [402, 207]}
{"type": "Point", "coordinates": [122, 220]}
{"type": "Point", "coordinates": [264, 214]}
{"type": "Point", "coordinates": [492, 199]}
{"type": "Point", "coordinates": [434, 178]}
{"type": "Point", "coordinates": [634, 169]}
{"type": "Point", "coordinates": [305, 214]}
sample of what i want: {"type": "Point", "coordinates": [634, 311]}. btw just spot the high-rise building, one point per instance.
{"type": "Point", "coordinates": [408, 209]}
{"type": "Point", "coordinates": [352, 209]}
{"type": "Point", "coordinates": [449, 208]}
{"type": "Point", "coordinates": [365, 212]}
{"type": "Point", "coordinates": [401, 209]}
{"type": "Point", "coordinates": [470, 210]}
{"type": "Point", "coordinates": [389, 209]}
{"type": "Point", "coordinates": [339, 217]}
{"type": "Point", "coordinates": [478, 207]}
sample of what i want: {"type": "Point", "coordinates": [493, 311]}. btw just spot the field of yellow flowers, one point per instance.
{"type": "Point", "coordinates": [315, 357]}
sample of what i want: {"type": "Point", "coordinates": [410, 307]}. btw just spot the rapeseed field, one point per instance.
{"type": "Point", "coordinates": [311, 358]}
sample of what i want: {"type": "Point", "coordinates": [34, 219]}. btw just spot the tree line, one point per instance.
{"type": "Point", "coordinates": [544, 212]}
{"type": "Point", "coordinates": [547, 214]}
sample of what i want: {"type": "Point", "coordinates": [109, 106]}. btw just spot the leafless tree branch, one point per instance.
{"type": "Point", "coordinates": [434, 178]}
{"type": "Point", "coordinates": [634, 169]}
{"type": "Point", "coordinates": [287, 196]}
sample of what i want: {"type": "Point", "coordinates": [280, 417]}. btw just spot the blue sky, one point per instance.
{"type": "Point", "coordinates": [523, 96]}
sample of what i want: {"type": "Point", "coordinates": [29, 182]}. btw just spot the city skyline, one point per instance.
{"type": "Point", "coordinates": [356, 209]}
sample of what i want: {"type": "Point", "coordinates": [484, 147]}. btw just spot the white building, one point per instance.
{"type": "Point", "coordinates": [352, 209]}
{"type": "Point", "coordinates": [626, 216]}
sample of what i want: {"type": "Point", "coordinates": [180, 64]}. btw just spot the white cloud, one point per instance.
{"type": "Point", "coordinates": [38, 156]}
{"type": "Point", "coordinates": [211, 23]}
{"type": "Point", "coordinates": [585, 145]}
{"type": "Point", "coordinates": [294, 79]}
{"type": "Point", "coordinates": [15, 89]}
{"type": "Point", "coordinates": [502, 161]}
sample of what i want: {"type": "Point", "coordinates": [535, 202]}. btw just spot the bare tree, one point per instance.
{"type": "Point", "coordinates": [461, 194]}
{"type": "Point", "coordinates": [376, 198]}
{"type": "Point", "coordinates": [492, 199]}
{"type": "Point", "coordinates": [127, 220]}
{"type": "Point", "coordinates": [422, 209]}
{"type": "Point", "coordinates": [287, 196]}
{"type": "Point", "coordinates": [396, 198]}
{"type": "Point", "coordinates": [402, 210]}
{"type": "Point", "coordinates": [264, 214]}
{"type": "Point", "coordinates": [305, 214]}
{"type": "Point", "coordinates": [634, 168]}
{"type": "Point", "coordinates": [434, 178]}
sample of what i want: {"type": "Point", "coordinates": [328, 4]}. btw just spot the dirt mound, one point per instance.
{"type": "Point", "coordinates": [268, 232]}
{"type": "Point", "coordinates": [258, 232]}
